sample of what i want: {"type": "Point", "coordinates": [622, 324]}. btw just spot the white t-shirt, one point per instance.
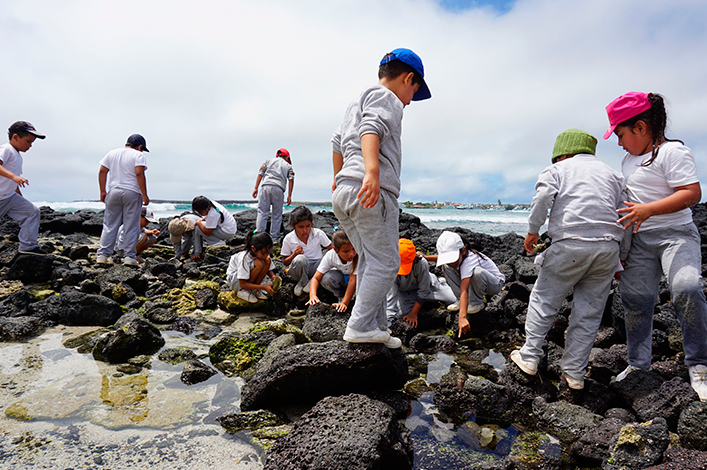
{"type": "Point", "coordinates": [673, 166]}
{"type": "Point", "coordinates": [121, 164]}
{"type": "Point", "coordinates": [12, 161]}
{"type": "Point", "coordinates": [213, 219]}
{"type": "Point", "coordinates": [240, 266]}
{"type": "Point", "coordinates": [473, 260]}
{"type": "Point", "coordinates": [331, 261]}
{"type": "Point", "coordinates": [312, 249]}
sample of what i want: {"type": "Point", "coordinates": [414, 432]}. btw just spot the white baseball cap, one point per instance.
{"type": "Point", "coordinates": [448, 246]}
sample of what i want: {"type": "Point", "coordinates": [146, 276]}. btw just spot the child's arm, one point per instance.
{"type": "Point", "coordinates": [338, 165]}
{"type": "Point", "coordinates": [313, 287]}
{"type": "Point", "coordinates": [10, 175]}
{"type": "Point", "coordinates": [257, 183]}
{"type": "Point", "coordinates": [432, 258]}
{"type": "Point", "coordinates": [348, 295]}
{"type": "Point", "coordinates": [142, 182]}
{"type": "Point", "coordinates": [530, 240]}
{"type": "Point", "coordinates": [411, 317]}
{"type": "Point", "coordinates": [288, 259]}
{"type": "Point", "coordinates": [202, 227]}
{"type": "Point", "coordinates": [683, 197]}
{"type": "Point", "coordinates": [290, 187]}
{"type": "Point", "coordinates": [102, 178]}
{"type": "Point", "coordinates": [370, 188]}
{"type": "Point", "coordinates": [464, 326]}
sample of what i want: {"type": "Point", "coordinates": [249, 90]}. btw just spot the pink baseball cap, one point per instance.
{"type": "Point", "coordinates": [625, 107]}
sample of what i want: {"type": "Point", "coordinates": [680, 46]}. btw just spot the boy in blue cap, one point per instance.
{"type": "Point", "coordinates": [367, 159]}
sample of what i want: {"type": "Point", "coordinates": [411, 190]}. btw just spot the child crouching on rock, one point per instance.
{"type": "Point", "coordinates": [247, 269]}
{"type": "Point", "coordinates": [413, 286]}
{"type": "Point", "coordinates": [336, 272]}
{"type": "Point", "coordinates": [584, 194]}
{"type": "Point", "coordinates": [470, 274]}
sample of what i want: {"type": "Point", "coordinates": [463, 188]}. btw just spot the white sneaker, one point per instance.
{"type": "Point", "coordinates": [442, 281]}
{"type": "Point", "coordinates": [247, 296]}
{"type": "Point", "coordinates": [128, 261]}
{"type": "Point", "coordinates": [298, 290]}
{"type": "Point", "coordinates": [375, 336]}
{"type": "Point", "coordinates": [698, 380]}
{"type": "Point", "coordinates": [305, 288]}
{"type": "Point", "coordinates": [472, 309]}
{"type": "Point", "coordinates": [454, 307]}
{"type": "Point", "coordinates": [102, 259]}
{"type": "Point", "coordinates": [261, 294]}
{"type": "Point", "coordinates": [393, 343]}
{"type": "Point", "coordinates": [574, 384]}
{"type": "Point", "coordinates": [529, 367]}
{"type": "Point", "coordinates": [625, 373]}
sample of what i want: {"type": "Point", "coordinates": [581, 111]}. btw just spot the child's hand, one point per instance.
{"type": "Point", "coordinates": [298, 251]}
{"type": "Point", "coordinates": [21, 182]}
{"type": "Point", "coordinates": [464, 326]}
{"type": "Point", "coordinates": [268, 288]}
{"type": "Point", "coordinates": [333, 186]}
{"type": "Point", "coordinates": [255, 193]}
{"type": "Point", "coordinates": [313, 299]}
{"type": "Point", "coordinates": [530, 240]}
{"type": "Point", "coordinates": [411, 319]}
{"type": "Point", "coordinates": [637, 214]}
{"type": "Point", "coordinates": [340, 307]}
{"type": "Point", "coordinates": [370, 191]}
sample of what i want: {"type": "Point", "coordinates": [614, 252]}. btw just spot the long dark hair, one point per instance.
{"type": "Point", "coordinates": [656, 118]}
{"type": "Point", "coordinates": [201, 203]}
{"type": "Point", "coordinates": [470, 248]}
{"type": "Point", "coordinates": [256, 241]}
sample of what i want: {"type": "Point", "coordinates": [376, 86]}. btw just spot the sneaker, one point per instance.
{"type": "Point", "coordinates": [625, 373]}
{"type": "Point", "coordinates": [529, 367]}
{"type": "Point", "coordinates": [298, 290]}
{"type": "Point", "coordinates": [393, 343]}
{"type": "Point", "coordinates": [375, 336]}
{"type": "Point", "coordinates": [454, 307]}
{"type": "Point", "coordinates": [276, 283]}
{"type": "Point", "coordinates": [261, 294]}
{"type": "Point", "coordinates": [128, 261]}
{"type": "Point", "coordinates": [305, 288]}
{"type": "Point", "coordinates": [472, 309]}
{"type": "Point", "coordinates": [247, 295]}
{"type": "Point", "coordinates": [574, 384]}
{"type": "Point", "coordinates": [698, 380]}
{"type": "Point", "coordinates": [442, 281]}
{"type": "Point", "coordinates": [34, 251]}
{"type": "Point", "coordinates": [102, 259]}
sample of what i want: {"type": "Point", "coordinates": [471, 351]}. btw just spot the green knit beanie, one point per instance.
{"type": "Point", "coordinates": [574, 141]}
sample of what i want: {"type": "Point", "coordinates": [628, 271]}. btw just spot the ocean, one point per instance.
{"type": "Point", "coordinates": [490, 221]}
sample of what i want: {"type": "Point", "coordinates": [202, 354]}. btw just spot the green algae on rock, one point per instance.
{"type": "Point", "coordinates": [281, 327]}
{"type": "Point", "coordinates": [231, 355]}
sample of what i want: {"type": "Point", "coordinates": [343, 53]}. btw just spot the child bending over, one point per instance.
{"type": "Point", "coordinates": [336, 272]}
{"type": "Point", "coordinates": [247, 269]}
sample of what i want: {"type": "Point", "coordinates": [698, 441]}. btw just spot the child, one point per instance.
{"type": "Point", "coordinates": [367, 159]}
{"type": "Point", "coordinates": [181, 233]}
{"type": "Point", "coordinates": [302, 248]}
{"type": "Point", "coordinates": [337, 272]}
{"type": "Point", "coordinates": [275, 173]}
{"type": "Point", "coordinates": [248, 267]}
{"type": "Point", "coordinates": [584, 194]}
{"type": "Point", "coordinates": [414, 285]}
{"type": "Point", "coordinates": [21, 134]}
{"type": "Point", "coordinates": [146, 238]}
{"type": "Point", "coordinates": [470, 274]}
{"type": "Point", "coordinates": [127, 192]}
{"type": "Point", "coordinates": [662, 184]}
{"type": "Point", "coordinates": [215, 226]}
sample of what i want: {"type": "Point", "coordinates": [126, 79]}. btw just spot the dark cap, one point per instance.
{"type": "Point", "coordinates": [24, 126]}
{"type": "Point", "coordinates": [135, 140]}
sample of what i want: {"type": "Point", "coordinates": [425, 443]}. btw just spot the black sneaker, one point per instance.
{"type": "Point", "coordinates": [34, 251]}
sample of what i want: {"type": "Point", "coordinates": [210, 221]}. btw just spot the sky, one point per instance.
{"type": "Point", "coordinates": [216, 87]}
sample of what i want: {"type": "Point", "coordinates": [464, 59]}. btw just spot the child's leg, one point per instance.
{"type": "Point", "coordinates": [483, 283]}
{"type": "Point", "coordinates": [334, 282]}
{"type": "Point", "coordinates": [454, 280]}
{"type": "Point", "coordinates": [260, 269]}
{"type": "Point", "coordinates": [145, 242]}
{"type": "Point", "coordinates": [682, 264]}
{"type": "Point", "coordinates": [639, 290]}
{"type": "Point", "coordinates": [277, 199]}
{"type": "Point", "coordinates": [441, 292]}
{"type": "Point", "coordinates": [27, 215]}
{"type": "Point", "coordinates": [112, 220]}
{"type": "Point", "coordinates": [131, 206]}
{"type": "Point", "coordinates": [298, 270]}
{"type": "Point", "coordinates": [589, 301]}
{"type": "Point", "coordinates": [261, 221]}
{"type": "Point", "coordinates": [392, 304]}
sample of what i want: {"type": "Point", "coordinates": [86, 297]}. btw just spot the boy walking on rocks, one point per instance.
{"type": "Point", "coordinates": [367, 159]}
{"type": "Point", "coordinates": [584, 194]}
{"type": "Point", "coordinates": [274, 174]}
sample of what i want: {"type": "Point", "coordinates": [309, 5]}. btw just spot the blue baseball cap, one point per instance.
{"type": "Point", "coordinates": [137, 139]}
{"type": "Point", "coordinates": [413, 60]}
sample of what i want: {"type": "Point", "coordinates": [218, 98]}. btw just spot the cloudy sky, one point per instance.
{"type": "Point", "coordinates": [217, 86]}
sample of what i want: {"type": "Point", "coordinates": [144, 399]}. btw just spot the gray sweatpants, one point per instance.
{"type": "Point", "coordinates": [374, 234]}
{"type": "Point", "coordinates": [675, 253]}
{"type": "Point", "coordinates": [270, 201]}
{"type": "Point", "coordinates": [335, 282]}
{"type": "Point", "coordinates": [481, 283]}
{"type": "Point", "coordinates": [302, 269]}
{"type": "Point", "coordinates": [217, 237]}
{"type": "Point", "coordinates": [400, 303]}
{"type": "Point", "coordinates": [122, 208]}
{"type": "Point", "coordinates": [586, 266]}
{"type": "Point", "coordinates": [26, 214]}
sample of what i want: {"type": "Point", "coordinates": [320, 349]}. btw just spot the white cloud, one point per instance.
{"type": "Point", "coordinates": [217, 87]}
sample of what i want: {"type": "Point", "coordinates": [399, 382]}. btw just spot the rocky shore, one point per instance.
{"type": "Point", "coordinates": [314, 401]}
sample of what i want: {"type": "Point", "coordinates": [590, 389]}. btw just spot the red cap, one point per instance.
{"type": "Point", "coordinates": [283, 153]}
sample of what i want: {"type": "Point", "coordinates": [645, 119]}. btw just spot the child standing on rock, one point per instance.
{"type": "Point", "coordinates": [302, 248]}
{"type": "Point", "coordinates": [583, 194]}
{"type": "Point", "coordinates": [274, 174]}
{"type": "Point", "coordinates": [367, 157]}
{"type": "Point", "coordinates": [470, 274]}
{"type": "Point", "coordinates": [336, 272]}
{"type": "Point", "coordinates": [247, 269]}
{"type": "Point", "coordinates": [21, 134]}
{"type": "Point", "coordinates": [662, 184]}
{"type": "Point", "coordinates": [215, 227]}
